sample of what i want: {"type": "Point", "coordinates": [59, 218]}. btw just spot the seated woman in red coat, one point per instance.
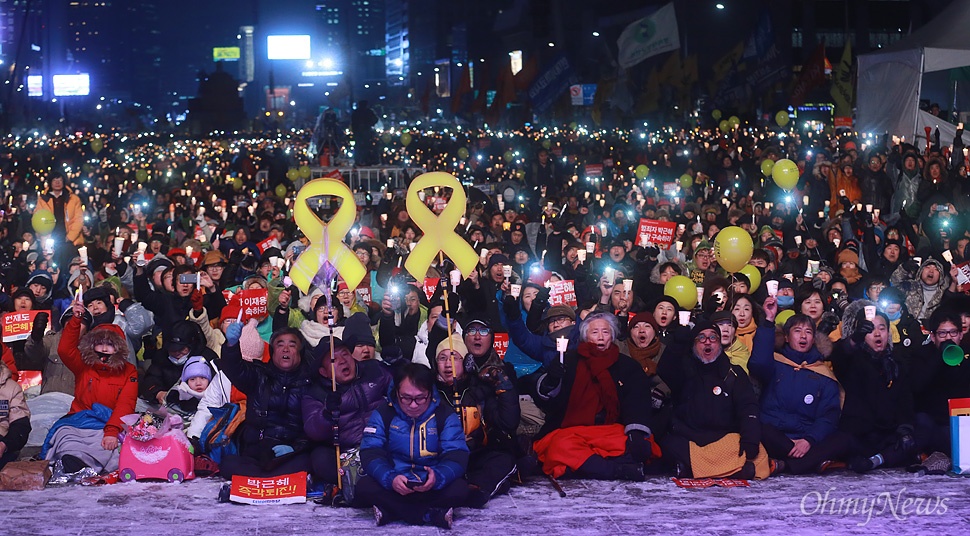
{"type": "Point", "coordinates": [598, 411]}
{"type": "Point", "coordinates": [105, 389]}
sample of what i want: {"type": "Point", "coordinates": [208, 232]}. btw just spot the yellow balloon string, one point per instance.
{"type": "Point", "coordinates": [439, 231]}
{"type": "Point", "coordinates": [343, 259]}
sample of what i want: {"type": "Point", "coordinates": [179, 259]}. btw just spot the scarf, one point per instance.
{"type": "Point", "coordinates": [823, 368]}
{"type": "Point", "coordinates": [646, 357]}
{"type": "Point", "coordinates": [313, 331]}
{"type": "Point", "coordinates": [851, 275]}
{"type": "Point", "coordinates": [593, 389]}
{"type": "Point", "coordinates": [746, 334]}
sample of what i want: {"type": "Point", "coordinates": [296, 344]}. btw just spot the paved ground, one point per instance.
{"type": "Point", "coordinates": [884, 502]}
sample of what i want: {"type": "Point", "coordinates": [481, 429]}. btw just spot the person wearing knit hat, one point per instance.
{"type": "Point", "coordinates": [664, 310]}
{"type": "Point", "coordinates": [848, 268]}
{"type": "Point", "coordinates": [196, 375]}
{"type": "Point", "coordinates": [724, 437]}
{"type": "Point", "coordinates": [23, 299]}
{"type": "Point", "coordinates": [446, 349]}
{"type": "Point", "coordinates": [643, 344]}
{"type": "Point", "coordinates": [359, 337]}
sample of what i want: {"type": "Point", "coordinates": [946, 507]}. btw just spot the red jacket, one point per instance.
{"type": "Point", "coordinates": [113, 383]}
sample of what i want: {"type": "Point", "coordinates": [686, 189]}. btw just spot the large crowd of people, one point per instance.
{"type": "Point", "coordinates": [833, 350]}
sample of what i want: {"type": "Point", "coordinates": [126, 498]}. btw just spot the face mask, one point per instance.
{"type": "Point", "coordinates": [180, 360]}
{"type": "Point", "coordinates": [785, 302]}
{"type": "Point", "coordinates": [895, 316]}
{"type": "Point", "coordinates": [103, 356]}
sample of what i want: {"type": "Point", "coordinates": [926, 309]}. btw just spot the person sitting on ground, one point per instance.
{"type": "Point", "coordinates": [414, 455]}
{"type": "Point", "coordinates": [800, 404]}
{"type": "Point", "coordinates": [598, 412]}
{"type": "Point", "coordinates": [271, 441]}
{"type": "Point", "coordinates": [361, 386]}
{"type": "Point", "coordinates": [489, 409]}
{"type": "Point", "coordinates": [184, 397]}
{"type": "Point", "coordinates": [715, 430]}
{"type": "Point", "coordinates": [105, 390]}
{"type": "Point", "coordinates": [14, 417]}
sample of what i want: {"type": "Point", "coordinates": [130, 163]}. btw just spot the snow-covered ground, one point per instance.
{"type": "Point", "coordinates": [880, 503]}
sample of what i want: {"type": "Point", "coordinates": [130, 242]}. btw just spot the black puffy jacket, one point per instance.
{"type": "Point", "coordinates": [358, 399]}
{"type": "Point", "coordinates": [490, 417]}
{"type": "Point", "coordinates": [163, 374]}
{"type": "Point", "coordinates": [878, 394]}
{"type": "Point", "coordinates": [709, 400]}
{"type": "Point", "coordinates": [274, 411]}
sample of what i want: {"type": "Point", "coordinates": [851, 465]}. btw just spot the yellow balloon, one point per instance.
{"type": "Point", "coordinates": [43, 221]}
{"type": "Point", "coordinates": [141, 175]}
{"type": "Point", "coordinates": [781, 118]}
{"type": "Point", "coordinates": [293, 174]}
{"type": "Point", "coordinates": [716, 114]}
{"type": "Point", "coordinates": [686, 181]}
{"type": "Point", "coordinates": [463, 153]}
{"type": "Point", "coordinates": [546, 144]}
{"type": "Point", "coordinates": [754, 276]}
{"type": "Point", "coordinates": [96, 145]}
{"type": "Point", "coordinates": [734, 121]}
{"type": "Point", "coordinates": [766, 166]}
{"type": "Point", "coordinates": [237, 183]}
{"type": "Point", "coordinates": [439, 230]}
{"type": "Point", "coordinates": [642, 171]}
{"type": "Point", "coordinates": [304, 172]}
{"type": "Point", "coordinates": [331, 248]}
{"type": "Point", "coordinates": [682, 289]}
{"type": "Point", "coordinates": [386, 138]}
{"type": "Point", "coordinates": [783, 317]}
{"type": "Point", "coordinates": [724, 126]}
{"type": "Point", "coordinates": [405, 139]}
{"type": "Point", "coordinates": [785, 173]}
{"type": "Point", "coordinates": [733, 248]}
{"type": "Point", "coordinates": [280, 190]}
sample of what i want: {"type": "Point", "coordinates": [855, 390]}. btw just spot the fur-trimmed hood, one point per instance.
{"type": "Point", "coordinates": [104, 334]}
{"type": "Point", "coordinates": [849, 319]}
{"type": "Point", "coordinates": [822, 342]}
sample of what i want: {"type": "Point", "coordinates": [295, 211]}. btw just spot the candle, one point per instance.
{"type": "Point", "coordinates": [142, 246]}
{"type": "Point", "coordinates": [455, 277]}
{"type": "Point", "coordinates": [581, 254]}
{"type": "Point", "coordinates": [516, 290]}
{"type": "Point", "coordinates": [610, 277]}
{"type": "Point", "coordinates": [83, 252]}
{"type": "Point", "coordinates": [627, 285]}
{"type": "Point", "coordinates": [561, 344]}
{"type": "Point", "coordinates": [805, 200]}
{"type": "Point", "coordinates": [590, 247]}
{"type": "Point", "coordinates": [506, 271]}
{"type": "Point", "coordinates": [188, 251]}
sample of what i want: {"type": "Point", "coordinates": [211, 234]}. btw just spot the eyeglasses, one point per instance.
{"type": "Point", "coordinates": [482, 331]}
{"type": "Point", "coordinates": [948, 333]}
{"type": "Point", "coordinates": [409, 400]}
{"type": "Point", "coordinates": [704, 338]}
{"type": "Point", "coordinates": [343, 293]}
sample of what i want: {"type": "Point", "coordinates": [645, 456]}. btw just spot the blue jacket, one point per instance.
{"type": "Point", "coordinates": [524, 361]}
{"type": "Point", "coordinates": [540, 348]}
{"type": "Point", "coordinates": [407, 445]}
{"type": "Point", "coordinates": [89, 419]}
{"type": "Point", "coordinates": [801, 403]}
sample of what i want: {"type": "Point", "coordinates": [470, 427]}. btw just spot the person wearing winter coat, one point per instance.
{"type": "Point", "coordinates": [877, 423]}
{"type": "Point", "coordinates": [800, 402]}
{"type": "Point", "coordinates": [905, 331]}
{"type": "Point", "coordinates": [361, 386]}
{"type": "Point", "coordinates": [184, 396]}
{"type": "Point", "coordinates": [924, 284]}
{"type": "Point", "coordinates": [66, 207]}
{"type": "Point", "coordinates": [906, 178]}
{"type": "Point", "coordinates": [105, 390]}
{"type": "Point", "coordinates": [14, 417]}
{"type": "Point", "coordinates": [597, 406]}
{"type": "Point", "coordinates": [414, 454]}
{"type": "Point", "coordinates": [271, 441]}
{"type": "Point", "coordinates": [875, 184]}
{"type": "Point", "coordinates": [488, 406]}
{"type": "Point", "coordinates": [936, 382]}
{"type": "Point", "coordinates": [182, 341]}
{"type": "Point", "coordinates": [715, 430]}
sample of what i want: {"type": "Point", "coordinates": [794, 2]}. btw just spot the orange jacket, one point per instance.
{"type": "Point", "coordinates": [73, 214]}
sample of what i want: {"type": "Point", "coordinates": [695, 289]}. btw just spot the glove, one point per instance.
{"type": "Point", "coordinates": [863, 328]}
{"type": "Point", "coordinates": [497, 378]}
{"type": "Point", "coordinates": [196, 445]}
{"type": "Point", "coordinates": [841, 302]}
{"type": "Point", "coordinates": [749, 450]}
{"type": "Point", "coordinates": [236, 257]}
{"type": "Point", "coordinates": [197, 300]}
{"type": "Point", "coordinates": [657, 398]}
{"type": "Point", "coordinates": [911, 266]}
{"type": "Point", "coordinates": [40, 326]}
{"type": "Point", "coordinates": [905, 442]}
{"type": "Point", "coordinates": [554, 374]}
{"type": "Point", "coordinates": [828, 323]}
{"type": "Point", "coordinates": [651, 252]}
{"type": "Point", "coordinates": [511, 307]}
{"type": "Point", "coordinates": [681, 334]}
{"type": "Point", "coordinates": [233, 332]}
{"type": "Point", "coordinates": [282, 450]}
{"type": "Point", "coordinates": [125, 304]}
{"type": "Point", "coordinates": [333, 402]}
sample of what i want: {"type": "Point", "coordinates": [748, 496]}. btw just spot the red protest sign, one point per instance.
{"type": "Point", "coordinates": [363, 295]}
{"type": "Point", "coordinates": [283, 489]}
{"type": "Point", "coordinates": [562, 293]}
{"type": "Point", "coordinates": [501, 344]}
{"type": "Point", "coordinates": [963, 276]}
{"type": "Point", "coordinates": [594, 170]}
{"type": "Point", "coordinates": [270, 242]}
{"type": "Point", "coordinates": [430, 285]}
{"type": "Point", "coordinates": [254, 303]}
{"type": "Point", "coordinates": [658, 232]}
{"type": "Point", "coordinates": [17, 326]}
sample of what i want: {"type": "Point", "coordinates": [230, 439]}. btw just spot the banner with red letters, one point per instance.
{"type": "Point", "coordinates": [658, 232]}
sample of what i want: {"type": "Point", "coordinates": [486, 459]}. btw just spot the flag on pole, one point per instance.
{"type": "Point", "coordinates": [648, 37]}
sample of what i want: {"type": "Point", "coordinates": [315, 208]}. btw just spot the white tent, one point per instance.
{"type": "Point", "coordinates": [890, 80]}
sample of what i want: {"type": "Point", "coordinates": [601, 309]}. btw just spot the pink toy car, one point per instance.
{"type": "Point", "coordinates": [167, 455]}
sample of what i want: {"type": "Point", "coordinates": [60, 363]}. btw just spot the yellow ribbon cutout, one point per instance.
{"type": "Point", "coordinates": [439, 231]}
{"type": "Point", "coordinates": [340, 256]}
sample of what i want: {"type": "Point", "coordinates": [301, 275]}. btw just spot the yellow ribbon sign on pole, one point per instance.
{"type": "Point", "coordinates": [439, 231]}
{"type": "Point", "coordinates": [326, 239]}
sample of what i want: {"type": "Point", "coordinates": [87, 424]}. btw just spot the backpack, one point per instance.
{"type": "Point", "coordinates": [216, 439]}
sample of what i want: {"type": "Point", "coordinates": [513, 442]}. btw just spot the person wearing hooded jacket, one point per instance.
{"type": "Point", "coordinates": [14, 417]}
{"type": "Point", "coordinates": [800, 402]}
{"type": "Point", "coordinates": [925, 285]}
{"type": "Point", "coordinates": [105, 390]}
{"type": "Point", "coordinates": [906, 178]}
{"type": "Point", "coordinates": [41, 284]}
{"type": "Point", "coordinates": [182, 341]}
{"type": "Point", "coordinates": [271, 441]}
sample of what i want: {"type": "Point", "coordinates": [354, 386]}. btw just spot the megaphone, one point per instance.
{"type": "Point", "coordinates": [953, 355]}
